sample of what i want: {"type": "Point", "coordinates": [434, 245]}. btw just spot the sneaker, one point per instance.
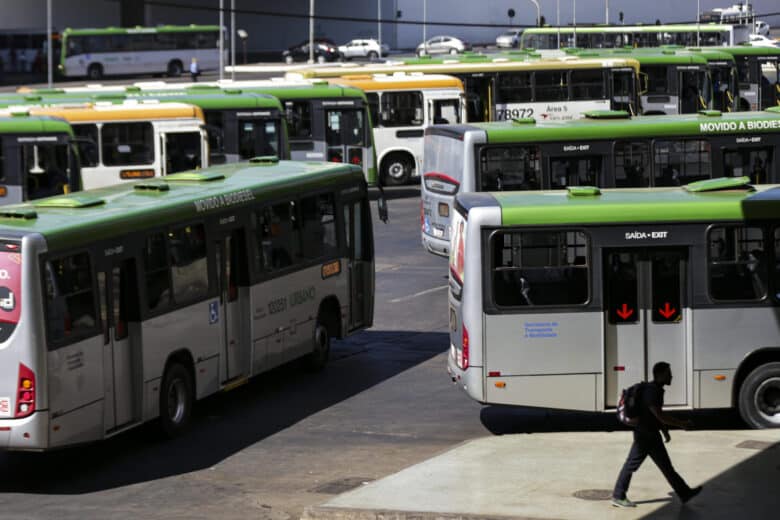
{"type": "Point", "coordinates": [693, 492]}
{"type": "Point", "coordinates": [622, 502]}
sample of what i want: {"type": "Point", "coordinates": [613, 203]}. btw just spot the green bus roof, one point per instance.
{"type": "Point", "coordinates": [652, 55]}
{"type": "Point", "coordinates": [77, 219]}
{"type": "Point", "coordinates": [630, 206]}
{"type": "Point", "coordinates": [749, 50]}
{"type": "Point", "coordinates": [26, 124]}
{"type": "Point", "coordinates": [620, 29]}
{"type": "Point", "coordinates": [138, 29]}
{"type": "Point", "coordinates": [591, 129]}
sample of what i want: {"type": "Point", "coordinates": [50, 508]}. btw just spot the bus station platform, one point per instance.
{"type": "Point", "coordinates": [571, 475]}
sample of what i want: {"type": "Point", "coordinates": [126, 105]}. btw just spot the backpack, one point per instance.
{"type": "Point", "coordinates": [629, 405]}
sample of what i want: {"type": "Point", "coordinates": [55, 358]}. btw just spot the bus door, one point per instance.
{"type": "Point", "coordinates": [233, 307]}
{"type": "Point", "coordinates": [693, 89]}
{"type": "Point", "coordinates": [769, 81]}
{"type": "Point", "coordinates": [182, 151]}
{"type": "Point", "coordinates": [724, 83]}
{"type": "Point", "coordinates": [358, 263]}
{"type": "Point", "coordinates": [623, 90]}
{"type": "Point", "coordinates": [122, 363]}
{"type": "Point", "coordinates": [756, 162]}
{"type": "Point", "coordinates": [346, 136]}
{"type": "Point", "coordinates": [646, 320]}
{"type": "Point", "coordinates": [480, 97]}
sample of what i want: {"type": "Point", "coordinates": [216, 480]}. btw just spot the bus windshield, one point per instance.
{"type": "Point", "coordinates": [47, 169]}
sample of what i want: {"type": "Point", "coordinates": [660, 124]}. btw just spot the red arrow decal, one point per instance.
{"type": "Point", "coordinates": [625, 312]}
{"type": "Point", "coordinates": [667, 312]}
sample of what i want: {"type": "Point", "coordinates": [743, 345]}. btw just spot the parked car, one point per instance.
{"type": "Point", "coordinates": [442, 45]}
{"type": "Point", "coordinates": [509, 39]}
{"type": "Point", "coordinates": [762, 28]}
{"type": "Point", "coordinates": [756, 40]}
{"type": "Point", "coordinates": [324, 50]}
{"type": "Point", "coordinates": [363, 49]}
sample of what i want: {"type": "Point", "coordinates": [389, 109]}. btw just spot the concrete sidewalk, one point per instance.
{"type": "Point", "coordinates": [571, 475]}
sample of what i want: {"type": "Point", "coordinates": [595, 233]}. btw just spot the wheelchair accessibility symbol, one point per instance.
{"type": "Point", "coordinates": [213, 313]}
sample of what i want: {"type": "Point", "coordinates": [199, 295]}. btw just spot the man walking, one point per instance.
{"type": "Point", "coordinates": [647, 440]}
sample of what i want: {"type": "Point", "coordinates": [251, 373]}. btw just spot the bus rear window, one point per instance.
{"type": "Point", "coordinates": [10, 288]}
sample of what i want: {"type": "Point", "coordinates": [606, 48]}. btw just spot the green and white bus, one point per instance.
{"type": "Point", "coordinates": [561, 299]}
{"type": "Point", "coordinates": [759, 81]}
{"type": "Point", "coordinates": [37, 158]}
{"type": "Point", "coordinates": [616, 36]}
{"type": "Point", "coordinates": [126, 304]}
{"type": "Point", "coordinates": [168, 49]}
{"type": "Point", "coordinates": [527, 86]}
{"type": "Point", "coordinates": [607, 149]}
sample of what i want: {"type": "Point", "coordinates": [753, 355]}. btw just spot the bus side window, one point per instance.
{"type": "Point", "coordinates": [319, 226]}
{"type": "Point", "coordinates": [189, 272]}
{"type": "Point", "coordinates": [158, 277]}
{"type": "Point", "coordinates": [737, 263]}
{"type": "Point", "coordinates": [277, 237]}
{"type": "Point", "coordinates": [127, 144]}
{"type": "Point", "coordinates": [70, 298]}
{"type": "Point", "coordinates": [87, 144]}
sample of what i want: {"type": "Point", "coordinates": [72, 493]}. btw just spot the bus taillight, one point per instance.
{"type": "Point", "coordinates": [464, 355]}
{"type": "Point", "coordinates": [335, 155]}
{"type": "Point", "coordinates": [441, 183]}
{"type": "Point", "coordinates": [25, 396]}
{"type": "Point", "coordinates": [356, 156]}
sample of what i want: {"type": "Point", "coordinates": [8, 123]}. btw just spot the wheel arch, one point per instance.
{"type": "Point", "coordinates": [184, 358]}
{"type": "Point", "coordinates": [752, 361]}
{"type": "Point", "coordinates": [399, 151]}
{"type": "Point", "coordinates": [330, 311]}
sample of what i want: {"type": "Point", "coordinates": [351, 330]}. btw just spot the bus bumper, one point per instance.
{"type": "Point", "coordinates": [437, 246]}
{"type": "Point", "coordinates": [28, 434]}
{"type": "Point", "coordinates": [469, 380]}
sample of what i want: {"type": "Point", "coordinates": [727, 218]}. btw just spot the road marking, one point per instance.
{"type": "Point", "coordinates": [421, 293]}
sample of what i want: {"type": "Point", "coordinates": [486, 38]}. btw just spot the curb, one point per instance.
{"type": "Point", "coordinates": [345, 513]}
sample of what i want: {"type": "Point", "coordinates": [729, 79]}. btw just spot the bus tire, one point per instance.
{"type": "Point", "coordinates": [759, 397]}
{"type": "Point", "coordinates": [316, 360]}
{"type": "Point", "coordinates": [396, 169]}
{"type": "Point", "coordinates": [175, 69]}
{"type": "Point", "coordinates": [177, 397]}
{"type": "Point", "coordinates": [95, 71]}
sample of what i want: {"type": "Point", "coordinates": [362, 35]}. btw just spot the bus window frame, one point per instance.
{"type": "Point", "coordinates": [489, 306]}
{"type": "Point", "coordinates": [765, 299]}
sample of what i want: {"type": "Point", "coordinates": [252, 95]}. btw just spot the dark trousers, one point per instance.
{"type": "Point", "coordinates": [649, 443]}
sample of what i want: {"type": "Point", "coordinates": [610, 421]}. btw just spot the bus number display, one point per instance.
{"type": "Point", "coordinates": [514, 113]}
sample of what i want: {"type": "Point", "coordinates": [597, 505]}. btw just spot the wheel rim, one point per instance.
{"type": "Point", "coordinates": [176, 401]}
{"type": "Point", "coordinates": [397, 170]}
{"type": "Point", "coordinates": [767, 400]}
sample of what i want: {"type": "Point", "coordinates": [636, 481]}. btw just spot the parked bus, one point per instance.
{"type": "Point", "coordinates": [168, 49]}
{"type": "Point", "coordinates": [240, 125]}
{"type": "Point", "coordinates": [562, 299]}
{"type": "Point", "coordinates": [37, 158]}
{"type": "Point", "coordinates": [402, 107]}
{"type": "Point", "coordinates": [616, 36]}
{"type": "Point", "coordinates": [678, 81]}
{"type": "Point", "coordinates": [759, 81]}
{"type": "Point", "coordinates": [129, 303]}
{"type": "Point", "coordinates": [324, 122]}
{"type": "Point", "coordinates": [519, 86]}
{"type": "Point", "coordinates": [128, 141]}
{"type": "Point", "coordinates": [609, 150]}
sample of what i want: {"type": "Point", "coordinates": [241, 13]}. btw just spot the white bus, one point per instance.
{"type": "Point", "coordinates": [131, 140]}
{"type": "Point", "coordinates": [126, 304]}
{"type": "Point", "coordinates": [561, 299]}
{"type": "Point", "coordinates": [402, 107]}
{"type": "Point", "coordinates": [168, 49]}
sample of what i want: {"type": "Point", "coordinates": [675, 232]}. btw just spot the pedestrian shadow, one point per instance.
{"type": "Point", "coordinates": [501, 420]}
{"type": "Point", "coordinates": [223, 424]}
{"type": "Point", "coordinates": [746, 490]}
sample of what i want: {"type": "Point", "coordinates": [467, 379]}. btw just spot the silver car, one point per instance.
{"type": "Point", "coordinates": [509, 39]}
{"type": "Point", "coordinates": [442, 45]}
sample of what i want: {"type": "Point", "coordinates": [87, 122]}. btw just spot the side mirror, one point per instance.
{"type": "Point", "coordinates": [382, 205]}
{"type": "Point", "coordinates": [644, 82]}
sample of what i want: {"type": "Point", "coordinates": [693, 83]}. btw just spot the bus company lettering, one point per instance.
{"type": "Point", "coordinates": [576, 147]}
{"type": "Point", "coordinates": [298, 297]}
{"type": "Point", "coordinates": [222, 201]}
{"type": "Point", "coordinates": [734, 126]}
{"type": "Point", "coordinates": [647, 235]}
{"type": "Point", "coordinates": [543, 329]}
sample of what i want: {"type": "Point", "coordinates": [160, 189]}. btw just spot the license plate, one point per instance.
{"type": "Point", "coordinates": [5, 407]}
{"type": "Point", "coordinates": [438, 233]}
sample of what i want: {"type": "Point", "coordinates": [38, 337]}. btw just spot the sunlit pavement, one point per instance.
{"type": "Point", "coordinates": [570, 475]}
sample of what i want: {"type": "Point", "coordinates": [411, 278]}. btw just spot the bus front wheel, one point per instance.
{"type": "Point", "coordinates": [95, 71]}
{"type": "Point", "coordinates": [175, 69]}
{"type": "Point", "coordinates": [177, 397]}
{"type": "Point", "coordinates": [396, 169]}
{"type": "Point", "coordinates": [759, 397]}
